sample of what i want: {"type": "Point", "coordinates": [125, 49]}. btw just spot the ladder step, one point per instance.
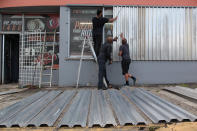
{"type": "Point", "coordinates": [46, 74]}
{"type": "Point", "coordinates": [47, 66]}
{"type": "Point", "coordinates": [47, 59]}
{"type": "Point", "coordinates": [47, 52]}
{"type": "Point", "coordinates": [46, 82]}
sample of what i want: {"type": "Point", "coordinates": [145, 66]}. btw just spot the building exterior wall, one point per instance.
{"type": "Point", "coordinates": [147, 72]}
{"type": "Point", "coordinates": [1, 40]}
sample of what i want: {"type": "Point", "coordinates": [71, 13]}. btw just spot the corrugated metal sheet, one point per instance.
{"type": "Point", "coordinates": [100, 112]}
{"type": "Point", "coordinates": [12, 110]}
{"type": "Point", "coordinates": [77, 113]}
{"type": "Point", "coordinates": [157, 109]}
{"type": "Point", "coordinates": [51, 113]}
{"type": "Point", "coordinates": [125, 112]}
{"type": "Point", "coordinates": [22, 118]}
{"type": "Point", "coordinates": [91, 108]}
{"type": "Point", "coordinates": [157, 33]}
{"type": "Point", "coordinates": [191, 93]}
{"type": "Point", "coordinates": [12, 91]}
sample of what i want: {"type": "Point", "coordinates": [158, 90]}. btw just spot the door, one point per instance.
{"type": "Point", "coordinates": [11, 59]}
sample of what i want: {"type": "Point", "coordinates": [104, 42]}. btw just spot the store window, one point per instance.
{"type": "Point", "coordinates": [80, 26]}
{"type": "Point", "coordinates": [45, 22]}
{"type": "Point", "coordinates": [50, 24]}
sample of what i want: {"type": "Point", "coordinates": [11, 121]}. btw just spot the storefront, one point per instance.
{"type": "Point", "coordinates": [162, 42]}
{"type": "Point", "coordinates": [19, 56]}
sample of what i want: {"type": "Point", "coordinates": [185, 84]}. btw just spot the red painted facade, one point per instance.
{"type": "Point", "coordinates": [24, 3]}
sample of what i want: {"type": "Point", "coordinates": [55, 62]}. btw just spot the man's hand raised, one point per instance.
{"type": "Point", "coordinates": [115, 38]}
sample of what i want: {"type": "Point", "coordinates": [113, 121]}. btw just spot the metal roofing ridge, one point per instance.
{"type": "Point", "coordinates": [136, 119]}
{"type": "Point", "coordinates": [141, 104]}
{"type": "Point", "coordinates": [102, 107]}
{"type": "Point", "coordinates": [19, 121]}
{"type": "Point", "coordinates": [84, 96]}
{"type": "Point", "coordinates": [43, 119]}
{"type": "Point", "coordinates": [191, 116]}
{"type": "Point", "coordinates": [188, 93]}
{"type": "Point", "coordinates": [36, 95]}
{"type": "Point", "coordinates": [170, 113]}
{"type": "Point", "coordinates": [138, 97]}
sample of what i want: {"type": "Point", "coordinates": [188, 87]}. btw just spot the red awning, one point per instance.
{"type": "Point", "coordinates": [25, 3]}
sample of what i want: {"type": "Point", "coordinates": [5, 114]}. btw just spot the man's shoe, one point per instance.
{"type": "Point", "coordinates": [134, 81]}
{"type": "Point", "coordinates": [109, 86]}
{"type": "Point", "coordinates": [126, 84]}
{"type": "Point", "coordinates": [99, 88]}
{"type": "Point", "coordinates": [104, 88]}
{"type": "Point", "coordinates": [117, 88]}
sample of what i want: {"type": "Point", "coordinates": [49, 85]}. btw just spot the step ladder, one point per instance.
{"type": "Point", "coordinates": [48, 76]}
{"type": "Point", "coordinates": [87, 41]}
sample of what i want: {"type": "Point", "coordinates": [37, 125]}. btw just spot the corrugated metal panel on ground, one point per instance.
{"type": "Point", "coordinates": [157, 109]}
{"type": "Point", "coordinates": [51, 113]}
{"type": "Point", "coordinates": [12, 91]}
{"type": "Point", "coordinates": [77, 113]}
{"type": "Point", "coordinates": [125, 112]}
{"type": "Point", "coordinates": [100, 112]}
{"type": "Point", "coordinates": [72, 107]}
{"type": "Point", "coordinates": [12, 110]}
{"type": "Point", "coordinates": [155, 33]}
{"type": "Point", "coordinates": [191, 93]}
{"type": "Point", "coordinates": [22, 118]}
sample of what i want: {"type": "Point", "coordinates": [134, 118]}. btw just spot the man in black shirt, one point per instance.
{"type": "Point", "coordinates": [126, 60]}
{"type": "Point", "coordinates": [104, 56]}
{"type": "Point", "coordinates": [98, 23]}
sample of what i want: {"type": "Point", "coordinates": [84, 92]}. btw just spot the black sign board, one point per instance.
{"type": "Point", "coordinates": [12, 23]}
{"type": "Point", "coordinates": [80, 26]}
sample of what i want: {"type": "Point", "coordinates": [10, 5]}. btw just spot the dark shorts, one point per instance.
{"type": "Point", "coordinates": [125, 66]}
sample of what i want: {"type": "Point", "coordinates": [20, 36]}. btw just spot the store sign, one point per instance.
{"type": "Point", "coordinates": [12, 23]}
{"type": "Point", "coordinates": [80, 27]}
{"type": "Point", "coordinates": [50, 23]}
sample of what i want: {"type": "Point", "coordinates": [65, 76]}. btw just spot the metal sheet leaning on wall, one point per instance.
{"type": "Point", "coordinates": [0, 44]}
{"type": "Point", "coordinates": [156, 33]}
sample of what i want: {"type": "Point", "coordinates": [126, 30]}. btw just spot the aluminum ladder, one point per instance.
{"type": "Point", "coordinates": [87, 41]}
{"type": "Point", "coordinates": [48, 76]}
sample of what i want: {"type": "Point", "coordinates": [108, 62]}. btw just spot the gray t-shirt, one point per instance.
{"type": "Point", "coordinates": [125, 51]}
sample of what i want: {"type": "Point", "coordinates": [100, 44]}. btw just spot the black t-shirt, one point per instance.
{"type": "Point", "coordinates": [98, 24]}
{"type": "Point", "coordinates": [125, 51]}
{"type": "Point", "coordinates": [105, 52]}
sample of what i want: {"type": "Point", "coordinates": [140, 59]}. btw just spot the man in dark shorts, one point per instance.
{"type": "Point", "coordinates": [126, 60]}
{"type": "Point", "coordinates": [104, 56]}
{"type": "Point", "coordinates": [98, 23]}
